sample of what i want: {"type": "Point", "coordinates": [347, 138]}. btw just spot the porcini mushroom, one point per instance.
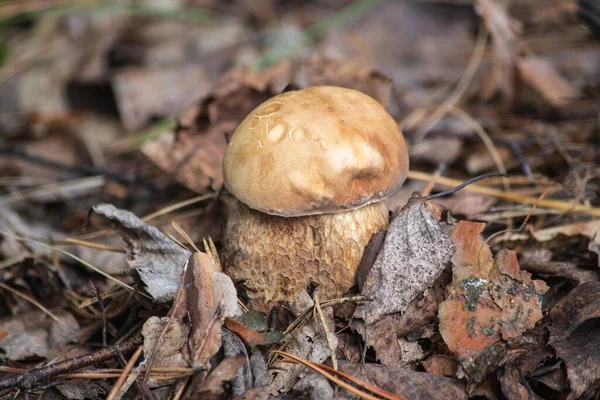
{"type": "Point", "coordinates": [311, 169]}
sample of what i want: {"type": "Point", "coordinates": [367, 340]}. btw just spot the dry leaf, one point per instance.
{"type": "Point", "coordinates": [78, 389]}
{"type": "Point", "coordinates": [172, 351]}
{"type": "Point", "coordinates": [488, 300]}
{"type": "Point", "coordinates": [539, 261]}
{"type": "Point", "coordinates": [541, 75]}
{"type": "Point", "coordinates": [575, 335]}
{"type": "Point", "coordinates": [385, 335]}
{"type": "Point", "coordinates": [36, 334]}
{"type": "Point", "coordinates": [404, 382]}
{"type": "Point", "coordinates": [504, 31]}
{"type": "Point", "coordinates": [415, 251]}
{"type": "Point", "coordinates": [224, 372]}
{"type": "Point", "coordinates": [158, 259]}
{"type": "Point", "coordinates": [143, 94]}
{"type": "Point", "coordinates": [211, 299]}
{"type": "Point", "coordinates": [314, 386]}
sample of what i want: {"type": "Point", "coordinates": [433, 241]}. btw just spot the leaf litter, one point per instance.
{"type": "Point", "coordinates": [134, 121]}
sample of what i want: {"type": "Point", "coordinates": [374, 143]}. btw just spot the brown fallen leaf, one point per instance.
{"type": "Point", "coordinates": [488, 300]}
{"type": "Point", "coordinates": [77, 389]}
{"type": "Point", "coordinates": [211, 298]}
{"type": "Point", "coordinates": [541, 75]}
{"type": "Point", "coordinates": [575, 335]}
{"type": "Point", "coordinates": [212, 387]}
{"type": "Point", "coordinates": [250, 337]}
{"type": "Point", "coordinates": [415, 251]}
{"type": "Point", "coordinates": [172, 351]}
{"type": "Point", "coordinates": [407, 383]}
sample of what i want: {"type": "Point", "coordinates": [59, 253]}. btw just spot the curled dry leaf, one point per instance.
{"type": "Point", "coordinates": [158, 260]}
{"type": "Point", "coordinates": [415, 251]}
{"type": "Point", "coordinates": [488, 300]}
{"type": "Point", "coordinates": [575, 335]}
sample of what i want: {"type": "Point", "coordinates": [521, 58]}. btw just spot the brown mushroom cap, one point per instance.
{"type": "Point", "coordinates": [319, 150]}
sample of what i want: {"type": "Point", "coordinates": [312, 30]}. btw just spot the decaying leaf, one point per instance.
{"type": "Point", "coordinates": [158, 259]}
{"type": "Point", "coordinates": [488, 300]}
{"type": "Point", "coordinates": [407, 383]}
{"type": "Point", "coordinates": [172, 352]}
{"type": "Point", "coordinates": [415, 251]}
{"type": "Point", "coordinates": [307, 343]}
{"type": "Point", "coordinates": [36, 334]}
{"type": "Point", "coordinates": [575, 335]}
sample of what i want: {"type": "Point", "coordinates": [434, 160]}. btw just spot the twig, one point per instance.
{"type": "Point", "coordinates": [325, 331]}
{"type": "Point", "coordinates": [515, 197]}
{"type": "Point", "coordinates": [102, 311]}
{"type": "Point", "coordinates": [462, 185]}
{"type": "Point", "coordinates": [28, 380]}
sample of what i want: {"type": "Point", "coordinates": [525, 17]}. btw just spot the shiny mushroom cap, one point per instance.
{"type": "Point", "coordinates": [319, 150]}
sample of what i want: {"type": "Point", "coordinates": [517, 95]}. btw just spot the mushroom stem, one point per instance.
{"type": "Point", "coordinates": [276, 257]}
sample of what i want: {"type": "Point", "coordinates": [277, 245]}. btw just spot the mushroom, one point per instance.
{"type": "Point", "coordinates": [311, 170]}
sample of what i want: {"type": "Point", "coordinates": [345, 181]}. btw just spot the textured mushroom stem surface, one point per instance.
{"type": "Point", "coordinates": [276, 257]}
